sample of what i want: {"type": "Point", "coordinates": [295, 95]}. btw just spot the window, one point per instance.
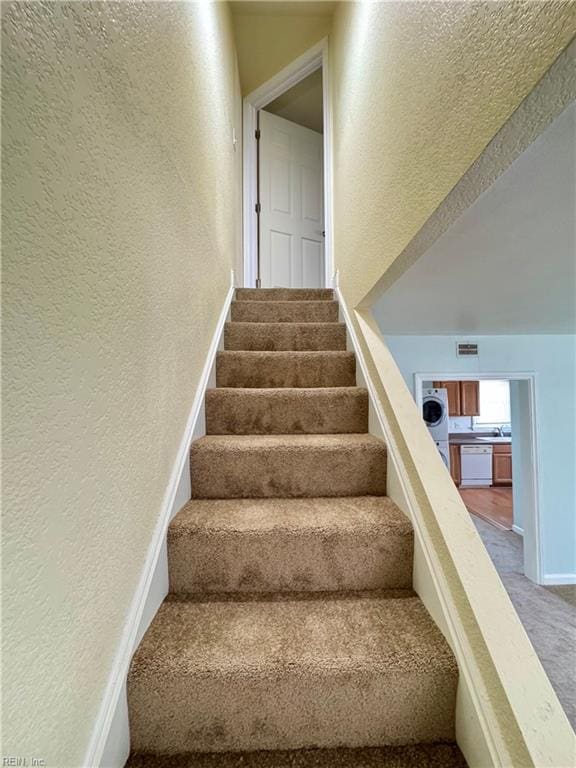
{"type": "Point", "coordinates": [494, 403]}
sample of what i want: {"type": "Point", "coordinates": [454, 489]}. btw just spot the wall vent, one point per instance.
{"type": "Point", "coordinates": [465, 349]}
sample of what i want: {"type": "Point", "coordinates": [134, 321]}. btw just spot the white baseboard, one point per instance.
{"type": "Point", "coordinates": [518, 530]}
{"type": "Point", "coordinates": [110, 742]}
{"type": "Point", "coordinates": [558, 579]}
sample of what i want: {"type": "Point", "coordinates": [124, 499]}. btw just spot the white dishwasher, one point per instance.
{"type": "Point", "coordinates": [476, 465]}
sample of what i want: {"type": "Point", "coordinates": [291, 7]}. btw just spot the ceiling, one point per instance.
{"type": "Point", "coordinates": [302, 104]}
{"type": "Point", "coordinates": [508, 264]}
{"type": "Point", "coordinates": [280, 8]}
{"type": "Point", "coordinates": [269, 36]}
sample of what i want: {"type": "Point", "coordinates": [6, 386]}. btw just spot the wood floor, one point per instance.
{"type": "Point", "coordinates": [494, 505]}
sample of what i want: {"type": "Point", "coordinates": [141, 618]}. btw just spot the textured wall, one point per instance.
{"type": "Point", "coordinates": [268, 42]}
{"type": "Point", "coordinates": [419, 89]}
{"type": "Point", "coordinates": [121, 195]}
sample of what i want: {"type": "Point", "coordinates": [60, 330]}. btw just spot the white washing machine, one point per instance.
{"type": "Point", "coordinates": [444, 450]}
{"type": "Point", "coordinates": [435, 413]}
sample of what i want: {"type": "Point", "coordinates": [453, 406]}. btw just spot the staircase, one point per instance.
{"type": "Point", "coordinates": [291, 624]}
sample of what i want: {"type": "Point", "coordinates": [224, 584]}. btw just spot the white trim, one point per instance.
{"type": "Point", "coordinates": [313, 59]}
{"type": "Point", "coordinates": [328, 164]}
{"type": "Point", "coordinates": [110, 741]}
{"type": "Point", "coordinates": [558, 579]}
{"type": "Point", "coordinates": [533, 567]}
{"type": "Point", "coordinates": [518, 530]}
{"type": "Point", "coordinates": [454, 639]}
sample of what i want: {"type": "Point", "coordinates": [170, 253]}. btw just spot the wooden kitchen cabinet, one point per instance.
{"type": "Point", "coordinates": [463, 397]}
{"type": "Point", "coordinates": [453, 388]}
{"type": "Point", "coordinates": [502, 464]}
{"type": "Point", "coordinates": [455, 466]}
{"type": "Point", "coordinates": [469, 398]}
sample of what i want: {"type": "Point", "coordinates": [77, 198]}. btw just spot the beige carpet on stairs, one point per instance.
{"type": "Point", "coordinates": [413, 756]}
{"type": "Point", "coordinates": [291, 635]}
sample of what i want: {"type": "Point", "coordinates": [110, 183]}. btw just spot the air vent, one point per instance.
{"type": "Point", "coordinates": [465, 349]}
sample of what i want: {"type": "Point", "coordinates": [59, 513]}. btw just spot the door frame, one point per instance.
{"type": "Point", "coordinates": [531, 518]}
{"type": "Point", "coordinates": [313, 59]}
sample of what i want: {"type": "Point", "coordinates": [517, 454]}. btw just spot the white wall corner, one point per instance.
{"type": "Point", "coordinates": [518, 530]}
{"type": "Point", "coordinates": [110, 741]}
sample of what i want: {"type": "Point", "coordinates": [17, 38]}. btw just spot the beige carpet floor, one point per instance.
{"type": "Point", "coordinates": [548, 614]}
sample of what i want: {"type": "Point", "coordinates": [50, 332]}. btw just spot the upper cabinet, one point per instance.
{"type": "Point", "coordinates": [463, 397]}
{"type": "Point", "coordinates": [454, 400]}
{"type": "Point", "coordinates": [470, 398]}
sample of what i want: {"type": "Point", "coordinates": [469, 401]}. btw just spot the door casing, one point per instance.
{"type": "Point", "coordinates": [313, 59]}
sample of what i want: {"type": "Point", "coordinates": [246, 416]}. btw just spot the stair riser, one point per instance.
{"type": "Point", "coordinates": [404, 756]}
{"type": "Point", "coordinates": [288, 561]}
{"type": "Point", "coordinates": [283, 412]}
{"type": "Point", "coordinates": [285, 369]}
{"type": "Point", "coordinates": [284, 294]}
{"type": "Point", "coordinates": [284, 336]}
{"type": "Point", "coordinates": [282, 472]}
{"type": "Point", "coordinates": [250, 710]}
{"type": "Point", "coordinates": [284, 311]}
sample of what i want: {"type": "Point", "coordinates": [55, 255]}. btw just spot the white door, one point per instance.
{"type": "Point", "coordinates": [292, 200]}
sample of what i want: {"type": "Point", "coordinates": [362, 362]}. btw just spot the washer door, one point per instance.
{"type": "Point", "coordinates": [433, 411]}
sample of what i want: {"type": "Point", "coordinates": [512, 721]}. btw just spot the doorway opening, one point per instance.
{"type": "Point", "coordinates": [488, 442]}
{"type": "Point", "coordinates": [500, 490]}
{"type": "Point", "coordinates": [287, 178]}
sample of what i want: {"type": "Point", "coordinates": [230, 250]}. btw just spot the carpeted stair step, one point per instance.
{"type": "Point", "coordinates": [285, 369]}
{"type": "Point", "coordinates": [285, 336]}
{"type": "Point", "coordinates": [407, 756]}
{"type": "Point", "coordinates": [273, 545]}
{"type": "Point", "coordinates": [258, 466]}
{"type": "Point", "coordinates": [284, 294]}
{"type": "Point", "coordinates": [233, 411]}
{"type": "Point", "coordinates": [220, 676]}
{"type": "Point", "coordinates": [284, 311]}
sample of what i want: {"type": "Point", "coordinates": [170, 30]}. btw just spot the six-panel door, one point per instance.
{"type": "Point", "coordinates": [292, 200]}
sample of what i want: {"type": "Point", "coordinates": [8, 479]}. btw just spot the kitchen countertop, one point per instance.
{"type": "Point", "coordinates": [463, 439]}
